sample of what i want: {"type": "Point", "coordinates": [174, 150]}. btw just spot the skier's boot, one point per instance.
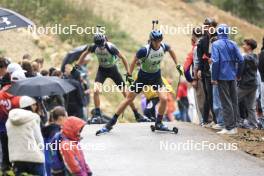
{"type": "Point", "coordinates": [161, 127]}
{"type": "Point", "coordinates": [107, 128]}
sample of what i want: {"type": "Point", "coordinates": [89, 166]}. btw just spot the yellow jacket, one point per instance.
{"type": "Point", "coordinates": [153, 94]}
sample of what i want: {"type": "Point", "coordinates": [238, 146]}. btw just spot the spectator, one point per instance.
{"type": "Point", "coordinates": [3, 69]}
{"type": "Point", "coordinates": [44, 72]}
{"type": "Point", "coordinates": [23, 128]}
{"type": "Point", "coordinates": [54, 100]}
{"type": "Point", "coordinates": [57, 117]}
{"type": "Point", "coordinates": [26, 57]}
{"type": "Point", "coordinates": [217, 106]}
{"type": "Point", "coordinates": [75, 99]}
{"type": "Point", "coordinates": [35, 68]}
{"type": "Point", "coordinates": [204, 73]}
{"type": "Point", "coordinates": [226, 68]}
{"type": "Point", "coordinates": [67, 72]}
{"type": "Point", "coordinates": [261, 71]}
{"type": "Point", "coordinates": [74, 159]}
{"type": "Point", "coordinates": [14, 67]}
{"type": "Point", "coordinates": [18, 75]}
{"type": "Point", "coordinates": [7, 103]}
{"type": "Point", "coordinates": [57, 73]}
{"type": "Point", "coordinates": [40, 62]}
{"type": "Point", "coordinates": [28, 68]}
{"type": "Point", "coordinates": [196, 83]}
{"type": "Point", "coordinates": [248, 84]}
{"type": "Point", "coordinates": [51, 70]}
{"type": "Point", "coordinates": [183, 102]}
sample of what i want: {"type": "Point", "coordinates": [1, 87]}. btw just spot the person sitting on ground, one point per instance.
{"type": "Point", "coordinates": [248, 84]}
{"type": "Point", "coordinates": [57, 117]}
{"type": "Point", "coordinates": [23, 129]}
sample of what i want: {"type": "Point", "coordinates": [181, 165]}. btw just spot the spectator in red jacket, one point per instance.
{"type": "Point", "coordinates": [70, 149]}
{"type": "Point", "coordinates": [183, 103]}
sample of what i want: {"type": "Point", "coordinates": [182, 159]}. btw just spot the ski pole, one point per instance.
{"type": "Point", "coordinates": [153, 23]}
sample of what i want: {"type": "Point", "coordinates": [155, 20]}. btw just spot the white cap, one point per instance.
{"type": "Point", "coordinates": [26, 101]}
{"type": "Point", "coordinates": [14, 67]}
{"type": "Point", "coordinates": [18, 75]}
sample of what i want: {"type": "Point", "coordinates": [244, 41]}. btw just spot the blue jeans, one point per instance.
{"type": "Point", "coordinates": [217, 107]}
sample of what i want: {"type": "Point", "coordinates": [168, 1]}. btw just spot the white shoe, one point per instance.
{"type": "Point", "coordinates": [217, 127]}
{"type": "Point", "coordinates": [228, 132]}
{"type": "Point", "coordinates": [231, 132]}
{"type": "Point", "coordinates": [223, 131]}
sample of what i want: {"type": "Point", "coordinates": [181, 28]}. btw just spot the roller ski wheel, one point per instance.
{"type": "Point", "coordinates": [104, 130]}
{"type": "Point", "coordinates": [165, 129]}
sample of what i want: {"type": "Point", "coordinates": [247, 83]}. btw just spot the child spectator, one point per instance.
{"type": "Point", "coordinates": [183, 102]}
{"type": "Point", "coordinates": [73, 158]}
{"type": "Point", "coordinates": [57, 117]}
{"type": "Point", "coordinates": [24, 138]}
{"type": "Point", "coordinates": [247, 86]}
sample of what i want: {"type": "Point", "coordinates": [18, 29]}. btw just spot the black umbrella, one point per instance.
{"type": "Point", "coordinates": [73, 56]}
{"type": "Point", "coordinates": [10, 20]}
{"type": "Point", "coordinates": [41, 86]}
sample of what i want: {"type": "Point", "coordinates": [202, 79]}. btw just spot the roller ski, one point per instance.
{"type": "Point", "coordinates": [107, 128]}
{"type": "Point", "coordinates": [162, 127]}
{"type": "Point", "coordinates": [103, 130]}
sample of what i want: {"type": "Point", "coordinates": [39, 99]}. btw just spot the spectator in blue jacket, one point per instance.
{"type": "Point", "coordinates": [226, 69]}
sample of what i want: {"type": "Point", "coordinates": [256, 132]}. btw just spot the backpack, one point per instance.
{"type": "Point", "coordinates": [57, 164]}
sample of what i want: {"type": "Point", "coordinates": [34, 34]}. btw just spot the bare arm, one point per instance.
{"type": "Point", "coordinates": [82, 57]}
{"type": "Point", "coordinates": [173, 56]}
{"type": "Point", "coordinates": [132, 66]}
{"type": "Point", "coordinates": [124, 61]}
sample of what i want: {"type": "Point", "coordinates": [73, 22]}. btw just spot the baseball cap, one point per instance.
{"type": "Point", "coordinates": [18, 75]}
{"type": "Point", "coordinates": [14, 67]}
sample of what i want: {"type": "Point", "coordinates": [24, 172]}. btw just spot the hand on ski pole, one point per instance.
{"type": "Point", "coordinates": [180, 69]}
{"type": "Point", "coordinates": [129, 79]}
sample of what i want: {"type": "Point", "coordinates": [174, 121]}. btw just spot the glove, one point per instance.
{"type": "Point", "coordinates": [180, 69]}
{"type": "Point", "coordinates": [129, 79]}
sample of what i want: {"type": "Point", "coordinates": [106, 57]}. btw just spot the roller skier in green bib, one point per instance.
{"type": "Point", "coordinates": [149, 57]}
{"type": "Point", "coordinates": [108, 55]}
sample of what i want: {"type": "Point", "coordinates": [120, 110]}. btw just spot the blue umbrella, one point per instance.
{"type": "Point", "coordinates": [73, 56]}
{"type": "Point", "coordinates": [11, 20]}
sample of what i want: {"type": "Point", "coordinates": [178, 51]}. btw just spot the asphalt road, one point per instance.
{"type": "Point", "coordinates": [133, 150]}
